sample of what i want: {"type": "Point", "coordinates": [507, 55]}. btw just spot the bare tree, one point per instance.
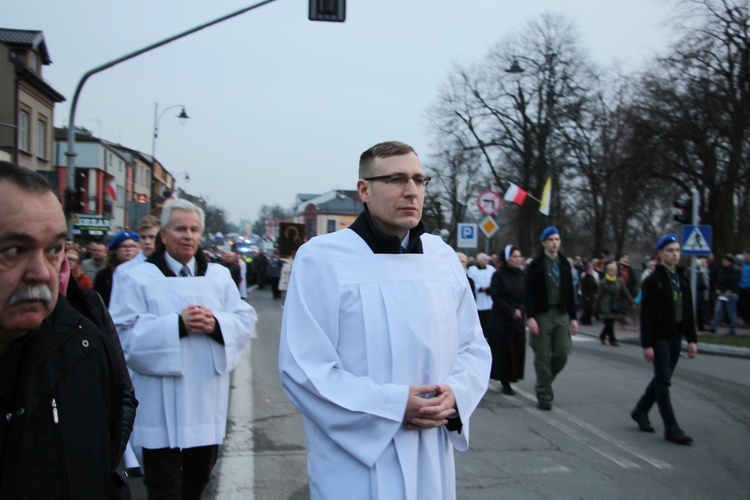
{"type": "Point", "coordinates": [456, 179]}
{"type": "Point", "coordinates": [694, 110]}
{"type": "Point", "coordinates": [516, 126]}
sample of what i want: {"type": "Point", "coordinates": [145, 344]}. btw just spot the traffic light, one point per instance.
{"type": "Point", "coordinates": [683, 211]}
{"type": "Point", "coordinates": [328, 10]}
{"type": "Point", "coordinates": [73, 201]}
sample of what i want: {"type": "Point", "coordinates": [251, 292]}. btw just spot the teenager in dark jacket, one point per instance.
{"type": "Point", "coordinates": [551, 311]}
{"type": "Point", "coordinates": [666, 317]}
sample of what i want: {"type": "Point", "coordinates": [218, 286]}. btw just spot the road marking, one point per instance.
{"type": "Point", "coordinates": [581, 338]}
{"type": "Point", "coordinates": [236, 474]}
{"type": "Point", "coordinates": [622, 461]}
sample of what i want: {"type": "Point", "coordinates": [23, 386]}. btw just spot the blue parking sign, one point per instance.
{"type": "Point", "coordinates": [467, 235]}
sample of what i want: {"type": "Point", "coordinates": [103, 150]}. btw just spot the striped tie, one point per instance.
{"type": "Point", "coordinates": [185, 271]}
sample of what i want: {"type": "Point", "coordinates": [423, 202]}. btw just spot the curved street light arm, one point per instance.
{"type": "Point", "coordinates": [71, 154]}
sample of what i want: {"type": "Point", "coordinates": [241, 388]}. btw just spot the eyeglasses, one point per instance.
{"type": "Point", "coordinates": [401, 179]}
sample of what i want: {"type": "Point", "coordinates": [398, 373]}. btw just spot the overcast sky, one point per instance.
{"type": "Point", "coordinates": [280, 105]}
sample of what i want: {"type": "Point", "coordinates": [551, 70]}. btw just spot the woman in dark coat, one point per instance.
{"type": "Point", "coordinates": [122, 247]}
{"type": "Point", "coordinates": [507, 331]}
{"type": "Point", "coordinates": [588, 287]}
{"type": "Point", "coordinates": [611, 290]}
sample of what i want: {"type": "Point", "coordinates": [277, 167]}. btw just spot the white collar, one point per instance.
{"type": "Point", "coordinates": [176, 267]}
{"type": "Point", "coordinates": [405, 242]}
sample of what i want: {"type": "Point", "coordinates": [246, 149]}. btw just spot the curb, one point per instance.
{"type": "Point", "coordinates": [703, 348]}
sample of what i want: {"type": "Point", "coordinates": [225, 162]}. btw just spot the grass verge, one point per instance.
{"type": "Point", "coordinates": [723, 339]}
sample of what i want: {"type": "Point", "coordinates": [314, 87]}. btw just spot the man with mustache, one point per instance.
{"type": "Point", "coordinates": [62, 380]}
{"type": "Point", "coordinates": [381, 345]}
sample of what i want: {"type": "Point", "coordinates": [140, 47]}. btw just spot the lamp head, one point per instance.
{"type": "Point", "coordinates": [183, 117]}
{"type": "Point", "coordinates": [515, 72]}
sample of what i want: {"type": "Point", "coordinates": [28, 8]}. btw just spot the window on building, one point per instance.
{"type": "Point", "coordinates": [311, 228]}
{"type": "Point", "coordinates": [33, 61]}
{"type": "Point", "coordinates": [331, 225]}
{"type": "Point", "coordinates": [41, 138]}
{"type": "Point", "coordinates": [23, 130]}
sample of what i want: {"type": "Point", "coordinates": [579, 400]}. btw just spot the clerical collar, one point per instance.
{"type": "Point", "coordinates": [176, 267]}
{"type": "Point", "coordinates": [405, 242]}
{"type": "Point", "coordinates": [379, 242]}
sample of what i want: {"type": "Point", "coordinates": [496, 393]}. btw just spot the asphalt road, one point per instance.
{"type": "Point", "coordinates": [586, 447]}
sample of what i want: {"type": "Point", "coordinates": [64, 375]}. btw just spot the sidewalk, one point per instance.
{"type": "Point", "coordinates": [630, 337]}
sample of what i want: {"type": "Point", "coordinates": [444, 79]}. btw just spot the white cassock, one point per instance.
{"type": "Point", "coordinates": [360, 328]}
{"type": "Point", "coordinates": [482, 278]}
{"type": "Point", "coordinates": [182, 385]}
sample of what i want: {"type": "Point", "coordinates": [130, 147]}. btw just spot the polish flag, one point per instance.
{"type": "Point", "coordinates": [112, 190]}
{"type": "Point", "coordinates": [515, 194]}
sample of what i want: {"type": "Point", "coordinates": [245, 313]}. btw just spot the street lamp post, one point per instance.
{"type": "Point", "coordinates": [515, 72]}
{"type": "Point", "coordinates": [183, 117]}
{"type": "Point", "coordinates": [71, 152]}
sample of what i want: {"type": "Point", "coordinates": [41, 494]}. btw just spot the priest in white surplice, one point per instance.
{"type": "Point", "coordinates": [381, 347]}
{"type": "Point", "coordinates": [183, 327]}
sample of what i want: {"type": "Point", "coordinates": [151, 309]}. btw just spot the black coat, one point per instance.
{"type": "Point", "coordinates": [536, 288]}
{"type": "Point", "coordinates": [91, 305]}
{"type": "Point", "coordinates": [65, 421]}
{"type": "Point", "coordinates": [657, 308]}
{"type": "Point", "coordinates": [508, 292]}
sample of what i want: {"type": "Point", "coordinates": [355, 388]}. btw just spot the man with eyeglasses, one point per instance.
{"type": "Point", "coordinates": [381, 346]}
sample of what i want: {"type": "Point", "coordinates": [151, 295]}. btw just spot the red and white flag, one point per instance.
{"type": "Point", "coordinates": [515, 194]}
{"type": "Point", "coordinates": [112, 190]}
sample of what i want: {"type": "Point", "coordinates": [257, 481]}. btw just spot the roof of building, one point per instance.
{"type": "Point", "coordinates": [28, 39]}
{"type": "Point", "coordinates": [337, 201]}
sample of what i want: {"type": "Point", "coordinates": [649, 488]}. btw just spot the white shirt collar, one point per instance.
{"type": "Point", "coordinates": [176, 267]}
{"type": "Point", "coordinates": [405, 242]}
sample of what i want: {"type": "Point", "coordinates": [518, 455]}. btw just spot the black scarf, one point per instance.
{"type": "Point", "coordinates": [379, 242]}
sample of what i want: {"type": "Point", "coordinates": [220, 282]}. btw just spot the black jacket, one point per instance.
{"type": "Point", "coordinates": [91, 305]}
{"type": "Point", "coordinates": [536, 288]}
{"type": "Point", "coordinates": [727, 279]}
{"type": "Point", "coordinates": [380, 242]}
{"type": "Point", "coordinates": [63, 426]}
{"type": "Point", "coordinates": [508, 292]}
{"type": "Point", "coordinates": [657, 308]}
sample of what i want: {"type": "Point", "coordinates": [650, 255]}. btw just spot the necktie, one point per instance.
{"type": "Point", "coordinates": [555, 273]}
{"type": "Point", "coordinates": [185, 271]}
{"type": "Point", "coordinates": [403, 250]}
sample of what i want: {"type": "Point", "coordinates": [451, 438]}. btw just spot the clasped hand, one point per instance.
{"type": "Point", "coordinates": [198, 319]}
{"type": "Point", "coordinates": [429, 406]}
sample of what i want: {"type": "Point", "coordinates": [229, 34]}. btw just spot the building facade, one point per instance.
{"type": "Point", "coordinates": [27, 102]}
{"type": "Point", "coordinates": [327, 212]}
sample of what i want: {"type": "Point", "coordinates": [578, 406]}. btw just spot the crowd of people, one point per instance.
{"type": "Point", "coordinates": [125, 348]}
{"type": "Point", "coordinates": [546, 294]}
{"type": "Point", "coordinates": [608, 289]}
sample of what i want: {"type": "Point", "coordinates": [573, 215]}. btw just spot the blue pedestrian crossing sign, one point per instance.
{"type": "Point", "coordinates": [696, 240]}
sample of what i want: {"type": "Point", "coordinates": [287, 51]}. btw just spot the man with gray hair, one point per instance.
{"type": "Point", "coordinates": [62, 380]}
{"type": "Point", "coordinates": [183, 328]}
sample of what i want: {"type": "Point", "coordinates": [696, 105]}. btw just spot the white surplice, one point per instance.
{"type": "Point", "coordinates": [360, 328]}
{"type": "Point", "coordinates": [182, 384]}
